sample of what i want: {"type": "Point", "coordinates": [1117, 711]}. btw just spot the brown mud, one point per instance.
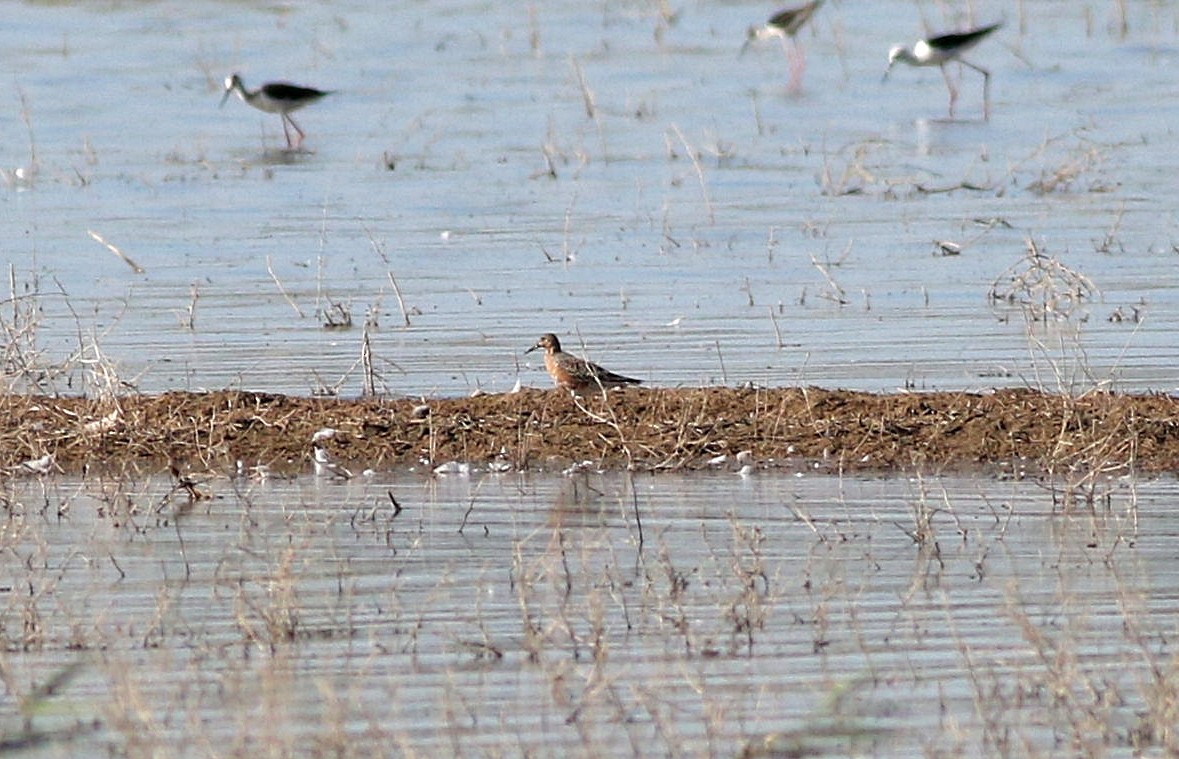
{"type": "Point", "coordinates": [1014, 431]}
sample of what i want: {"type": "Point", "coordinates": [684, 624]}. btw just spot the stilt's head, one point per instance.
{"type": "Point", "coordinates": [896, 53]}
{"type": "Point", "coordinates": [233, 83]}
{"type": "Point", "coordinates": [762, 32]}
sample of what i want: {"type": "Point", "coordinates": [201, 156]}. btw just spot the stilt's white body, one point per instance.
{"type": "Point", "coordinates": [940, 50]}
{"type": "Point", "coordinates": [276, 97]}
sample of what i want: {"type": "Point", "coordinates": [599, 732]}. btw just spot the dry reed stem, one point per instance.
{"type": "Point", "coordinates": [1044, 287]}
{"type": "Point", "coordinates": [282, 290]}
{"type": "Point", "coordinates": [111, 247]}
{"type": "Point", "coordinates": [587, 95]}
{"type": "Point", "coordinates": [692, 156]}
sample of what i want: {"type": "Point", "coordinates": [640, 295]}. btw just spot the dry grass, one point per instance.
{"type": "Point", "coordinates": [1044, 288]}
{"type": "Point", "coordinates": [1092, 436]}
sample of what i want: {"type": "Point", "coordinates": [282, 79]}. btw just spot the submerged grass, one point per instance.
{"type": "Point", "coordinates": [297, 630]}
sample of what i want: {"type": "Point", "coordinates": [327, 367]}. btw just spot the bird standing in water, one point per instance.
{"type": "Point", "coordinates": [785, 25]}
{"type": "Point", "coordinates": [940, 50]}
{"type": "Point", "coordinates": [276, 97]}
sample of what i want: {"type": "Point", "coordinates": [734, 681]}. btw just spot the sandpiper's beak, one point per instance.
{"type": "Point", "coordinates": [532, 349]}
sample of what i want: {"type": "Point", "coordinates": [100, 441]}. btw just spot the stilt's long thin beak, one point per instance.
{"type": "Point", "coordinates": [228, 92]}
{"type": "Point", "coordinates": [884, 78]}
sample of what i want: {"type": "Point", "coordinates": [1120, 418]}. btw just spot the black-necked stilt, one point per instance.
{"type": "Point", "coordinates": [940, 50]}
{"type": "Point", "coordinates": [325, 466]}
{"type": "Point", "coordinates": [276, 97]}
{"type": "Point", "coordinates": [785, 25]}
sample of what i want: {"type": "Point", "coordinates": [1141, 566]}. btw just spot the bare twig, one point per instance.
{"type": "Point", "coordinates": [587, 96]}
{"type": "Point", "coordinates": [282, 290]}
{"type": "Point", "coordinates": [126, 259]}
{"type": "Point", "coordinates": [379, 249]}
{"type": "Point", "coordinates": [699, 172]}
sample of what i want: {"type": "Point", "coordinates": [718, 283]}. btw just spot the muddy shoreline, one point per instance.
{"type": "Point", "coordinates": [664, 429]}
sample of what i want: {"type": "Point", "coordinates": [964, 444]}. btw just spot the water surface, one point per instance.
{"type": "Point", "coordinates": [624, 180]}
{"type": "Point", "coordinates": [590, 615]}
{"type": "Point", "coordinates": [694, 223]}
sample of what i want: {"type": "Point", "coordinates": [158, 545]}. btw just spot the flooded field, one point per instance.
{"type": "Point", "coordinates": [617, 174]}
{"type": "Point", "coordinates": [592, 615]}
{"type": "Point", "coordinates": [614, 173]}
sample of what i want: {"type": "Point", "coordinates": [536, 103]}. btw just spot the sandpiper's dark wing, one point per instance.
{"type": "Point", "coordinates": [607, 377]}
{"type": "Point", "coordinates": [960, 40]}
{"type": "Point", "coordinates": [292, 92]}
{"type": "Point", "coordinates": [587, 373]}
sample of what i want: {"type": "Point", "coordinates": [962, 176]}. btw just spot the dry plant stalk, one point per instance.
{"type": "Point", "coordinates": [699, 173]}
{"type": "Point", "coordinates": [282, 290]}
{"type": "Point", "coordinates": [587, 96]}
{"type": "Point", "coordinates": [122, 256]}
{"type": "Point", "coordinates": [853, 178]}
{"type": "Point", "coordinates": [834, 292]}
{"type": "Point", "coordinates": [366, 360]}
{"type": "Point", "coordinates": [1065, 176]}
{"type": "Point", "coordinates": [379, 249]}
{"type": "Point", "coordinates": [1044, 287]}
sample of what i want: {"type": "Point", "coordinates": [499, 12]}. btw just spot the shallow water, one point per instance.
{"type": "Point", "coordinates": [700, 225]}
{"type": "Point", "coordinates": [676, 237]}
{"type": "Point", "coordinates": [589, 615]}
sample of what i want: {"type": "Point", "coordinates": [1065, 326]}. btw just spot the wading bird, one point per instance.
{"type": "Point", "coordinates": [276, 97]}
{"type": "Point", "coordinates": [940, 50]}
{"type": "Point", "coordinates": [785, 25]}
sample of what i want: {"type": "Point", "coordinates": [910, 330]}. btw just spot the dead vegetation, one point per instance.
{"type": "Point", "coordinates": [1044, 288]}
{"type": "Point", "coordinates": [1090, 436]}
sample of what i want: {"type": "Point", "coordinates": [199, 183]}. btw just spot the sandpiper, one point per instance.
{"type": "Point", "coordinates": [940, 50]}
{"type": "Point", "coordinates": [573, 373]}
{"type": "Point", "coordinates": [276, 97]}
